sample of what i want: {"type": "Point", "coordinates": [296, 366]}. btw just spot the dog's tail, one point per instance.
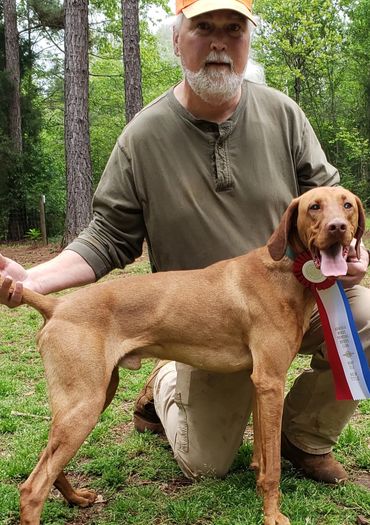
{"type": "Point", "coordinates": [45, 304]}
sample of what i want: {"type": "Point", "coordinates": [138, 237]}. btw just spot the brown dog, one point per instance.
{"type": "Point", "coordinates": [224, 318]}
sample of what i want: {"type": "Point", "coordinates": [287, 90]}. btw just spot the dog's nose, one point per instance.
{"type": "Point", "coordinates": [337, 226]}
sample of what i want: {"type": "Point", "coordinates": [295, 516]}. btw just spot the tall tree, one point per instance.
{"type": "Point", "coordinates": [17, 209]}
{"type": "Point", "coordinates": [131, 58]}
{"type": "Point", "coordinates": [5, 142]}
{"type": "Point", "coordinates": [76, 121]}
{"type": "Point", "coordinates": [13, 69]}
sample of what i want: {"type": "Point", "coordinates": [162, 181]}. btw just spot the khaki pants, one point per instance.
{"type": "Point", "coordinates": [205, 414]}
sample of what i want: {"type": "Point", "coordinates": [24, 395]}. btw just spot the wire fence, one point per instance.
{"type": "Point", "coordinates": [18, 223]}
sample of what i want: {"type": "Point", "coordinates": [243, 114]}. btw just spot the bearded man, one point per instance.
{"type": "Point", "coordinates": [204, 173]}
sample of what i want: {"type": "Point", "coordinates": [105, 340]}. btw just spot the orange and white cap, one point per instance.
{"type": "Point", "coordinates": [192, 8]}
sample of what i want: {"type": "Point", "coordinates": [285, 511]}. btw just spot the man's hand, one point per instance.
{"type": "Point", "coordinates": [66, 270]}
{"type": "Point", "coordinates": [356, 267]}
{"type": "Point", "coordinates": [14, 275]}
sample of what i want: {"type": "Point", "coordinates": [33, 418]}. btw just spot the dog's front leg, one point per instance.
{"type": "Point", "coordinates": [267, 415]}
{"type": "Point", "coordinates": [81, 497]}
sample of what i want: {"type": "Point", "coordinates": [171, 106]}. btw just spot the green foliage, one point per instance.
{"type": "Point", "coordinates": [106, 103]}
{"type": "Point", "coordinates": [19, 173]}
{"type": "Point", "coordinates": [33, 234]}
{"type": "Point", "coordinates": [318, 53]}
{"type": "Point", "coordinates": [50, 14]}
{"type": "Point", "coordinates": [359, 57]}
{"type": "Point", "coordinates": [106, 83]}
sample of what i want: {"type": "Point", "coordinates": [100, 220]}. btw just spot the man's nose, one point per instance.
{"type": "Point", "coordinates": [218, 42]}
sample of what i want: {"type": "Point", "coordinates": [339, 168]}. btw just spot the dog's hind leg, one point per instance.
{"type": "Point", "coordinates": [78, 391]}
{"type": "Point", "coordinates": [85, 497]}
{"type": "Point", "coordinates": [68, 431]}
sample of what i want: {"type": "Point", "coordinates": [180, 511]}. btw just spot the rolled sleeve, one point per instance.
{"type": "Point", "coordinates": [116, 233]}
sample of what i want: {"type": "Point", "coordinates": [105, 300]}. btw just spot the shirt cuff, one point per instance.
{"type": "Point", "coordinates": [91, 255]}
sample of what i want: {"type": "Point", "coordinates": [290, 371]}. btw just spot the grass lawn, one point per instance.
{"type": "Point", "coordinates": [135, 475]}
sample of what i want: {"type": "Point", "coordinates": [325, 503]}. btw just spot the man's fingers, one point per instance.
{"type": "Point", "coordinates": [10, 293]}
{"type": "Point", "coordinates": [356, 268]}
{"type": "Point", "coordinates": [16, 296]}
{"type": "Point", "coordinates": [6, 283]}
{"type": "Point", "coordinates": [355, 273]}
{"type": "Point", "coordinates": [347, 281]}
{"type": "Point", "coordinates": [2, 262]}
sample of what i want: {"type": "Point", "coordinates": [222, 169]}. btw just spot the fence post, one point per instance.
{"type": "Point", "coordinates": [43, 220]}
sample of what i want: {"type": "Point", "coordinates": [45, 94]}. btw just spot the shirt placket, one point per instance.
{"type": "Point", "coordinates": [223, 175]}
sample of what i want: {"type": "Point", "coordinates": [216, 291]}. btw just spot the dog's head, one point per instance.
{"type": "Point", "coordinates": [324, 221]}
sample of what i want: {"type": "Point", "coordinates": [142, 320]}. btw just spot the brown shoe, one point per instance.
{"type": "Point", "coordinates": [145, 416]}
{"type": "Point", "coordinates": [320, 467]}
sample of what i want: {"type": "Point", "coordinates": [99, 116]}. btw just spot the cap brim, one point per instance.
{"type": "Point", "coordinates": [205, 6]}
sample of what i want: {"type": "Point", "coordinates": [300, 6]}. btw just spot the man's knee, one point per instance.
{"type": "Point", "coordinates": [197, 467]}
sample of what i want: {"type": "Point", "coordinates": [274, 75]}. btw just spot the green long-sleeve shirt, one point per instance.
{"type": "Point", "coordinates": [199, 191]}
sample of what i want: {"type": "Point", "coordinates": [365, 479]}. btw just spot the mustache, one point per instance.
{"type": "Point", "coordinates": [220, 57]}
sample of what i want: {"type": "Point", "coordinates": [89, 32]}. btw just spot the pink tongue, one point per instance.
{"type": "Point", "coordinates": [333, 263]}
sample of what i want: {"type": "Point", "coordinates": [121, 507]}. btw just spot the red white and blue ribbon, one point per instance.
{"type": "Point", "coordinates": [345, 353]}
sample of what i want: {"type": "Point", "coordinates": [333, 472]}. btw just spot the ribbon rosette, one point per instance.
{"type": "Point", "coordinates": [345, 353]}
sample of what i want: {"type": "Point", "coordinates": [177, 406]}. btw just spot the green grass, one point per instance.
{"type": "Point", "coordinates": [135, 475]}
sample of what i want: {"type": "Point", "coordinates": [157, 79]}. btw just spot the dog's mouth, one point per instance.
{"type": "Point", "coordinates": [333, 261]}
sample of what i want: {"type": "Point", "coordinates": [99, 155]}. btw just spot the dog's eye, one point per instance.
{"type": "Point", "coordinates": [315, 207]}
{"type": "Point", "coordinates": [348, 205]}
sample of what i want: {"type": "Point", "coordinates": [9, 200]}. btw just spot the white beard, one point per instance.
{"type": "Point", "coordinates": [213, 85]}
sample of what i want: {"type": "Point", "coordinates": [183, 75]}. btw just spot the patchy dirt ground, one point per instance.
{"type": "Point", "coordinates": [29, 254]}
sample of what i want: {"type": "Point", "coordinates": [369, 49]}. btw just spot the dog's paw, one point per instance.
{"type": "Point", "coordinates": [83, 497]}
{"type": "Point", "coordinates": [279, 519]}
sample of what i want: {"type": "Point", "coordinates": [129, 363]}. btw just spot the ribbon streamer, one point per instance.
{"type": "Point", "coordinates": [345, 353]}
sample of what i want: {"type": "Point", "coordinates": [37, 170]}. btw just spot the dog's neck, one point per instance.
{"type": "Point", "coordinates": [295, 245]}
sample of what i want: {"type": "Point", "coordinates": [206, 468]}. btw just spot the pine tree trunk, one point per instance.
{"type": "Point", "coordinates": [131, 58]}
{"type": "Point", "coordinates": [17, 203]}
{"type": "Point", "coordinates": [13, 70]}
{"type": "Point", "coordinates": [76, 123]}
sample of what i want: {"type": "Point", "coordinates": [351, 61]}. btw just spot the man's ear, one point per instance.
{"type": "Point", "coordinates": [175, 42]}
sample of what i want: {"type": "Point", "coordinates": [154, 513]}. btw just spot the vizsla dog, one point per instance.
{"type": "Point", "coordinates": [249, 312]}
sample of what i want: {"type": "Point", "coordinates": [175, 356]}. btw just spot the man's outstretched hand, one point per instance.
{"type": "Point", "coordinates": [13, 275]}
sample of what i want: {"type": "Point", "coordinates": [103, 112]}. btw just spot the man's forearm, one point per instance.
{"type": "Point", "coordinates": [66, 270]}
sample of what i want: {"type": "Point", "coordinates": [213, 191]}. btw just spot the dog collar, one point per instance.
{"type": "Point", "coordinates": [290, 253]}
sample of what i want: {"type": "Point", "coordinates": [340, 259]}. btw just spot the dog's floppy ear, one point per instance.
{"type": "Point", "coordinates": [360, 226]}
{"type": "Point", "coordinates": [278, 242]}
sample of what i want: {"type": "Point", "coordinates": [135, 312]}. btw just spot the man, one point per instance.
{"type": "Point", "coordinates": [204, 173]}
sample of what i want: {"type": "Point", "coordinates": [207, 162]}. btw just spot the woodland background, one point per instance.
{"type": "Point", "coordinates": [72, 75]}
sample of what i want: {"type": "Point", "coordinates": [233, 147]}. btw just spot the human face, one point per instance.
{"type": "Point", "coordinates": [213, 48]}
